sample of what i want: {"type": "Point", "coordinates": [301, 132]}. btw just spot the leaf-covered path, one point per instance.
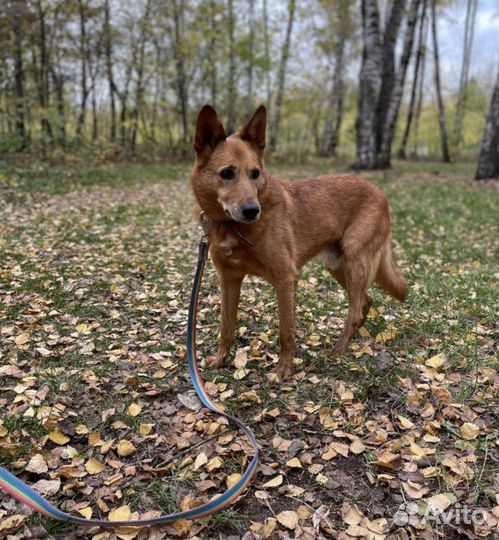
{"type": "Point", "coordinates": [393, 440]}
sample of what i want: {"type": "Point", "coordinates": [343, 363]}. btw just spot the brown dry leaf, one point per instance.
{"type": "Point", "coordinates": [294, 463]}
{"type": "Point", "coordinates": [439, 503]}
{"type": "Point", "coordinates": [37, 465]}
{"type": "Point", "coordinates": [125, 448]}
{"type": "Point", "coordinates": [405, 423]}
{"type": "Point", "coordinates": [201, 459]}
{"type": "Point", "coordinates": [47, 487]}
{"type": "Point", "coordinates": [22, 339]}
{"type": "Point", "coordinates": [469, 431]}
{"type": "Point", "coordinates": [288, 518]}
{"type": "Point", "coordinates": [351, 514]}
{"type": "Point", "coordinates": [329, 454]}
{"type": "Point", "coordinates": [388, 460]}
{"type": "Point", "coordinates": [415, 490]}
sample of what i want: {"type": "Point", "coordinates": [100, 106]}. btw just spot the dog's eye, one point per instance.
{"type": "Point", "coordinates": [228, 174]}
{"type": "Point", "coordinates": [254, 174]}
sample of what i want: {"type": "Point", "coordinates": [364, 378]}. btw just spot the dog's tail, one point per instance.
{"type": "Point", "coordinates": [389, 277]}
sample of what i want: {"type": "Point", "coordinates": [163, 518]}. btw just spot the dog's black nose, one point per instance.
{"type": "Point", "coordinates": [250, 211]}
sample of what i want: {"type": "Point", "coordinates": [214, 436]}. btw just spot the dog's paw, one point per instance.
{"type": "Point", "coordinates": [284, 372]}
{"type": "Point", "coordinates": [215, 362]}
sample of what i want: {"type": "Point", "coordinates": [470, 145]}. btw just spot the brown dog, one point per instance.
{"type": "Point", "coordinates": [264, 226]}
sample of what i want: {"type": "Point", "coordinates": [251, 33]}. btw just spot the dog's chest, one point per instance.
{"type": "Point", "coordinates": [229, 252]}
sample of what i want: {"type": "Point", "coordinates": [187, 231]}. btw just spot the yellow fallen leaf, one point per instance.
{"type": "Point", "coordinates": [288, 518]}
{"type": "Point", "coordinates": [357, 447]}
{"type": "Point", "coordinates": [94, 466]}
{"type": "Point", "coordinates": [294, 463]}
{"type": "Point", "coordinates": [274, 482]}
{"type": "Point", "coordinates": [232, 479]}
{"type": "Point", "coordinates": [125, 448]}
{"type": "Point", "coordinates": [82, 328]}
{"type": "Point", "coordinates": [85, 512]}
{"type": "Point", "coordinates": [11, 522]}
{"type": "Point", "coordinates": [436, 361]}
{"type": "Point", "coordinates": [58, 437]}
{"type": "Point", "coordinates": [321, 479]}
{"type": "Point", "coordinates": [469, 431]}
{"type": "Point", "coordinates": [145, 429]}
{"type": "Point", "coordinates": [22, 339]}
{"type": "Point", "coordinates": [134, 409]}
{"type": "Point", "coordinates": [120, 514]}
{"type": "Point", "coordinates": [329, 454]}
{"type": "Point", "coordinates": [364, 332]}
{"type": "Point", "coordinates": [214, 464]}
{"type": "Point", "coordinates": [387, 335]}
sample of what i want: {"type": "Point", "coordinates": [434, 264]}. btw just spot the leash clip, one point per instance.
{"type": "Point", "coordinates": [205, 223]}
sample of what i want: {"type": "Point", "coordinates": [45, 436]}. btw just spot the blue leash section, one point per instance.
{"type": "Point", "coordinates": [23, 493]}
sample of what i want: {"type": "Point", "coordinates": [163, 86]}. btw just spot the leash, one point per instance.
{"type": "Point", "coordinates": [26, 495]}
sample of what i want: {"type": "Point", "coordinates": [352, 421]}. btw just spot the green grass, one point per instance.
{"type": "Point", "coordinates": [96, 266]}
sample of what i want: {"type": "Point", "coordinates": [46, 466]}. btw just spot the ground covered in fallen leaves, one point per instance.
{"type": "Point", "coordinates": [397, 439]}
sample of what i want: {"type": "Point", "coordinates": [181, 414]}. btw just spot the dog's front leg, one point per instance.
{"type": "Point", "coordinates": [230, 291]}
{"type": "Point", "coordinates": [286, 300]}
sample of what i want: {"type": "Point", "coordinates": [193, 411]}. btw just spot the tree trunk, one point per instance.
{"type": "Point", "coordinates": [18, 9]}
{"type": "Point", "coordinates": [488, 163]}
{"type": "Point", "coordinates": [330, 136]}
{"type": "Point", "coordinates": [266, 43]}
{"type": "Point", "coordinates": [441, 108]}
{"type": "Point", "coordinates": [231, 102]}
{"type": "Point", "coordinates": [178, 12]}
{"type": "Point", "coordinates": [388, 75]}
{"type": "Point", "coordinates": [212, 52]}
{"type": "Point", "coordinates": [276, 119]}
{"type": "Point", "coordinates": [43, 77]}
{"type": "Point", "coordinates": [83, 74]}
{"type": "Point", "coordinates": [417, 74]}
{"type": "Point", "coordinates": [139, 89]}
{"type": "Point", "coordinates": [390, 120]}
{"type": "Point", "coordinates": [369, 86]}
{"type": "Point", "coordinates": [251, 40]}
{"type": "Point", "coordinates": [465, 69]}
{"type": "Point", "coordinates": [108, 52]}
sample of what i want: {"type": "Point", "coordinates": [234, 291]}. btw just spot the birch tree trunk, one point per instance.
{"type": "Point", "coordinates": [276, 119]}
{"type": "Point", "coordinates": [369, 86]}
{"type": "Point", "coordinates": [231, 101]}
{"type": "Point", "coordinates": [335, 101]}
{"type": "Point", "coordinates": [417, 75]}
{"type": "Point", "coordinates": [43, 77]}
{"type": "Point", "coordinates": [387, 134]}
{"type": "Point", "coordinates": [441, 108]}
{"type": "Point", "coordinates": [488, 163]}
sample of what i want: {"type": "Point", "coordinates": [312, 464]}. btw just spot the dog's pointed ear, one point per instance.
{"type": "Point", "coordinates": [254, 131]}
{"type": "Point", "coordinates": [209, 131]}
